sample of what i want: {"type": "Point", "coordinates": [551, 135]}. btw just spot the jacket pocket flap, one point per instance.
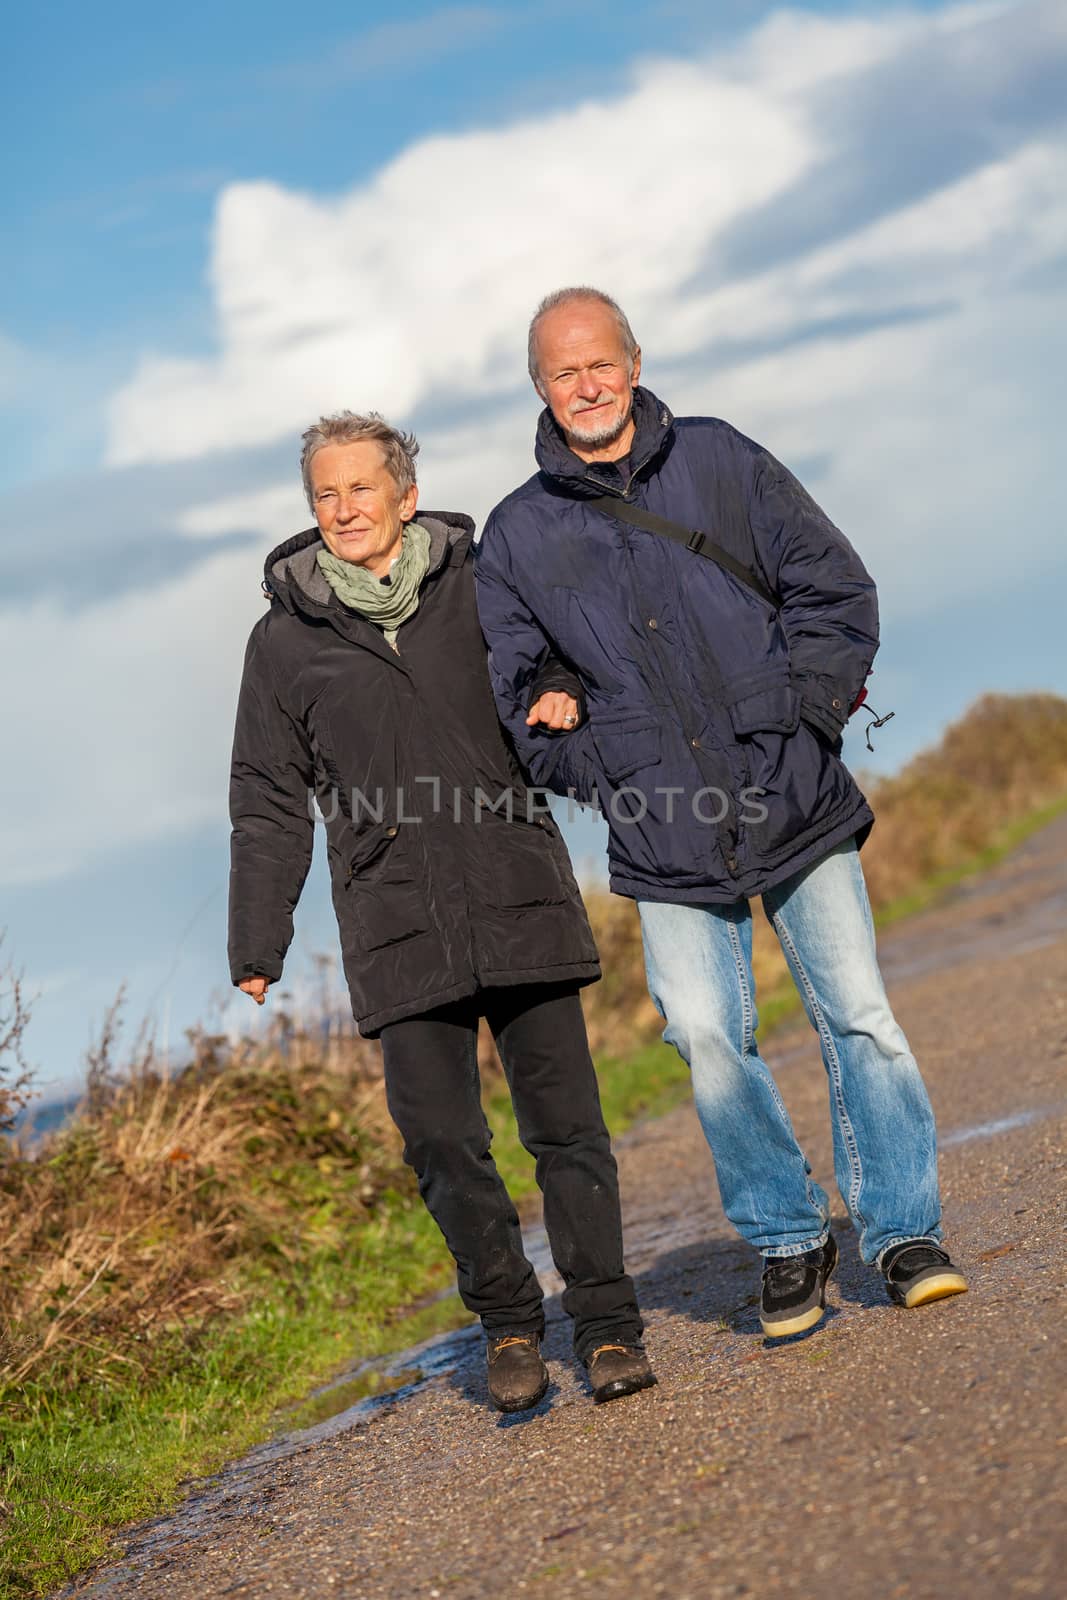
{"type": "Point", "coordinates": [775, 709]}
{"type": "Point", "coordinates": [626, 748]}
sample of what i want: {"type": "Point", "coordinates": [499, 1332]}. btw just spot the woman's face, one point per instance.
{"type": "Point", "coordinates": [358, 507]}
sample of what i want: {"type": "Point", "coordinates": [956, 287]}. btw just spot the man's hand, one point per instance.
{"type": "Point", "coordinates": [556, 711]}
{"type": "Point", "coordinates": [256, 987]}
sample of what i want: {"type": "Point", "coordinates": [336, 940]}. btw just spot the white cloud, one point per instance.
{"type": "Point", "coordinates": [127, 737]}
{"type": "Point", "coordinates": [277, 512]}
{"type": "Point", "coordinates": [410, 294]}
{"type": "Point", "coordinates": [418, 283]}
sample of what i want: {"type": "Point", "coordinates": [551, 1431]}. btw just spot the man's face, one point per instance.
{"type": "Point", "coordinates": [585, 378]}
{"type": "Point", "coordinates": [359, 510]}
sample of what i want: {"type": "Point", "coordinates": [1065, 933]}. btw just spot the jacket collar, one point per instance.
{"type": "Point", "coordinates": [653, 435]}
{"type": "Point", "coordinates": [291, 573]}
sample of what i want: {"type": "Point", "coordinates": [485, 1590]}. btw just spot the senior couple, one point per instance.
{"type": "Point", "coordinates": [677, 633]}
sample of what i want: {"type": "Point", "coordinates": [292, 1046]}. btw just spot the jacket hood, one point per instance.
{"type": "Point", "coordinates": [291, 572]}
{"type": "Point", "coordinates": [653, 430]}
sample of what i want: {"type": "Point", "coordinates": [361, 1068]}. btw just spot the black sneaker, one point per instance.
{"type": "Point", "coordinates": [793, 1297]}
{"type": "Point", "coordinates": [919, 1271]}
{"type": "Point", "coordinates": [517, 1376]}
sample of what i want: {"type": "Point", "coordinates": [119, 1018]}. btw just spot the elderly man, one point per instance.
{"type": "Point", "coordinates": [677, 630]}
{"type": "Point", "coordinates": [365, 684]}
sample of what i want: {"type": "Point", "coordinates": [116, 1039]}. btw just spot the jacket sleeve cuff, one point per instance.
{"type": "Point", "coordinates": [255, 969]}
{"type": "Point", "coordinates": [554, 678]}
{"type": "Point", "coordinates": [823, 709]}
{"type": "Point", "coordinates": [566, 769]}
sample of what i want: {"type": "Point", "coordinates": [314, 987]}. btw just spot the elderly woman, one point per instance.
{"type": "Point", "coordinates": [366, 685]}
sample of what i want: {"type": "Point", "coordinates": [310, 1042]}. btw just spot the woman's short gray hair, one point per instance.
{"type": "Point", "coordinates": [349, 427]}
{"type": "Point", "coordinates": [563, 297]}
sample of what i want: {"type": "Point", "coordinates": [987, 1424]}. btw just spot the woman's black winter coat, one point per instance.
{"type": "Point", "coordinates": [437, 895]}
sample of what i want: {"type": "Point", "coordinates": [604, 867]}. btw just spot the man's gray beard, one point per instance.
{"type": "Point", "coordinates": [602, 437]}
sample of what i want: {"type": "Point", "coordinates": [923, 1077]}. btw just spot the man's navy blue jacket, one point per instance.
{"type": "Point", "coordinates": [711, 724]}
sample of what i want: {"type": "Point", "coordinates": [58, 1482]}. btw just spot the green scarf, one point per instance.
{"type": "Point", "coordinates": [386, 604]}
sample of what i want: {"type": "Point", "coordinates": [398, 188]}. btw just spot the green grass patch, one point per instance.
{"type": "Point", "coordinates": [82, 1457]}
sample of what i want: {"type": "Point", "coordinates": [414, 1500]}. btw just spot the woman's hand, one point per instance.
{"type": "Point", "coordinates": [557, 711]}
{"type": "Point", "coordinates": [256, 987]}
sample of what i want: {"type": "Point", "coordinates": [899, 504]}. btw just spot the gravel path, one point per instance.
{"type": "Point", "coordinates": [889, 1453]}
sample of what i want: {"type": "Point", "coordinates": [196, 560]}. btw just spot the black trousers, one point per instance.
{"type": "Point", "coordinates": [432, 1086]}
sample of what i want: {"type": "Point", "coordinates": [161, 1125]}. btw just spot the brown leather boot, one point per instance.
{"type": "Point", "coordinates": [618, 1369]}
{"type": "Point", "coordinates": [518, 1377]}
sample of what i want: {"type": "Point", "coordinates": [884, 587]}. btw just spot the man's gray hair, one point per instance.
{"type": "Point", "coordinates": [563, 297]}
{"type": "Point", "coordinates": [350, 427]}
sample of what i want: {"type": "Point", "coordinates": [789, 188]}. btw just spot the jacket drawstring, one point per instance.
{"type": "Point", "coordinates": [875, 722]}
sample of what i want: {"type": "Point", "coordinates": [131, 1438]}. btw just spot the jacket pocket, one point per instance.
{"type": "Point", "coordinates": [387, 904]}
{"type": "Point", "coordinates": [624, 748]}
{"type": "Point", "coordinates": [522, 863]}
{"type": "Point", "coordinates": [774, 709]}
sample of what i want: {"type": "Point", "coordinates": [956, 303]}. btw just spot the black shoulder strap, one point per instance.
{"type": "Point", "coordinates": [692, 538]}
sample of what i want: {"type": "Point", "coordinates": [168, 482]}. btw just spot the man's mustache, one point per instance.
{"type": "Point", "coordinates": [590, 405]}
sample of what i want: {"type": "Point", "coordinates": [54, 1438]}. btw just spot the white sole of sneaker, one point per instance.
{"type": "Point", "coordinates": [938, 1287]}
{"type": "Point", "coordinates": [782, 1330]}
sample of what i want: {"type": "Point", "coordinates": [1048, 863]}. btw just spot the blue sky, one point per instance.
{"type": "Point", "coordinates": [843, 227]}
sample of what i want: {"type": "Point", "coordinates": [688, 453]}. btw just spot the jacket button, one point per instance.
{"type": "Point", "coordinates": [653, 624]}
{"type": "Point", "coordinates": [695, 743]}
{"type": "Point", "coordinates": [391, 833]}
{"type": "Point", "coordinates": [836, 704]}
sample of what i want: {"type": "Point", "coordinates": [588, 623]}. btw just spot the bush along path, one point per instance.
{"type": "Point", "coordinates": [899, 1453]}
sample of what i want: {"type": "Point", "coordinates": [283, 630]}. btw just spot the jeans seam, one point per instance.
{"type": "Point", "coordinates": [750, 1054]}
{"type": "Point", "coordinates": [748, 1037]}
{"type": "Point", "coordinates": [848, 1133]}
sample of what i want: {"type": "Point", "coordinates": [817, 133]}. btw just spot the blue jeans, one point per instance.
{"type": "Point", "coordinates": [698, 959]}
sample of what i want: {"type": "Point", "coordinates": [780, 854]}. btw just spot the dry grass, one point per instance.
{"type": "Point", "coordinates": [16, 1078]}
{"type": "Point", "coordinates": [141, 1215]}
{"type": "Point", "coordinates": [1005, 759]}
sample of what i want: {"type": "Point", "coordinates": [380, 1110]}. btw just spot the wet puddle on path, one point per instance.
{"type": "Point", "coordinates": [989, 1130]}
{"type": "Point", "coordinates": [347, 1393]}
{"type": "Point", "coordinates": [353, 1398]}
